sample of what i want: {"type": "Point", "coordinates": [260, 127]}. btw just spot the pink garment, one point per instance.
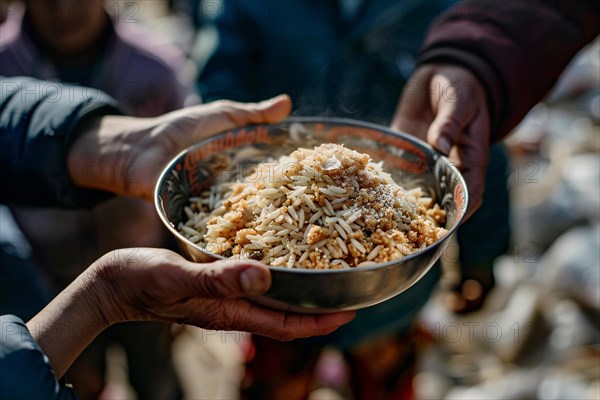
{"type": "Point", "coordinates": [138, 69]}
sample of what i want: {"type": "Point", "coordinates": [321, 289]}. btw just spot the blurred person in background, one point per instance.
{"type": "Point", "coordinates": [468, 85]}
{"type": "Point", "coordinates": [132, 284]}
{"type": "Point", "coordinates": [3, 13]}
{"type": "Point", "coordinates": [191, 8]}
{"type": "Point", "coordinates": [79, 43]}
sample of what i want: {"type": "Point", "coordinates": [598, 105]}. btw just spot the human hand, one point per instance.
{"type": "Point", "coordinates": [446, 106]}
{"type": "Point", "coordinates": [125, 155]}
{"type": "Point", "coordinates": [159, 285]}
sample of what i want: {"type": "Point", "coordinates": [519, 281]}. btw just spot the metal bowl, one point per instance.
{"type": "Point", "coordinates": [411, 162]}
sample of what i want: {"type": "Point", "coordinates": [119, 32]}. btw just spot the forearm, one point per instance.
{"type": "Point", "coordinates": [98, 158]}
{"type": "Point", "coordinates": [125, 155]}
{"type": "Point", "coordinates": [65, 327]}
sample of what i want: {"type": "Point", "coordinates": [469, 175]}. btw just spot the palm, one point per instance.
{"type": "Point", "coordinates": [159, 285]}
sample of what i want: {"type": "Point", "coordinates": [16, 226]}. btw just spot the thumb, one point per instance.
{"type": "Point", "coordinates": [228, 279]}
{"type": "Point", "coordinates": [189, 125]}
{"type": "Point", "coordinates": [225, 114]}
{"type": "Point", "coordinates": [267, 111]}
{"type": "Point", "coordinates": [453, 114]}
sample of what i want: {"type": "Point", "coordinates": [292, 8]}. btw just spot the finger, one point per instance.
{"type": "Point", "coordinates": [267, 111]}
{"type": "Point", "coordinates": [294, 326]}
{"type": "Point", "coordinates": [223, 115]}
{"type": "Point", "coordinates": [453, 110]}
{"type": "Point", "coordinates": [413, 112]}
{"type": "Point", "coordinates": [243, 315]}
{"type": "Point", "coordinates": [298, 325]}
{"type": "Point", "coordinates": [474, 157]}
{"type": "Point", "coordinates": [415, 127]}
{"type": "Point", "coordinates": [227, 279]}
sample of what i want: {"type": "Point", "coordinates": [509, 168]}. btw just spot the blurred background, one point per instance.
{"type": "Point", "coordinates": [536, 336]}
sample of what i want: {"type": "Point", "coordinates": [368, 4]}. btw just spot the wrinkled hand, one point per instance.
{"type": "Point", "coordinates": [125, 155]}
{"type": "Point", "coordinates": [446, 106]}
{"type": "Point", "coordinates": [159, 285]}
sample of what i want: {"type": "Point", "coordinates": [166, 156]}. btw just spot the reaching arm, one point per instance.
{"type": "Point", "coordinates": [482, 67]}
{"type": "Point", "coordinates": [68, 146]}
{"type": "Point", "coordinates": [516, 49]}
{"type": "Point", "coordinates": [131, 152]}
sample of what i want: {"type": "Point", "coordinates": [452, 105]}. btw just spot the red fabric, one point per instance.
{"type": "Point", "coordinates": [517, 48]}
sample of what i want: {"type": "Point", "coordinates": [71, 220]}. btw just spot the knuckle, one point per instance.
{"type": "Point", "coordinates": [451, 124]}
{"type": "Point", "coordinates": [210, 284]}
{"type": "Point", "coordinates": [233, 318]}
{"type": "Point", "coordinates": [224, 316]}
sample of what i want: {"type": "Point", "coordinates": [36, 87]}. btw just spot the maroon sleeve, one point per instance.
{"type": "Point", "coordinates": [516, 48]}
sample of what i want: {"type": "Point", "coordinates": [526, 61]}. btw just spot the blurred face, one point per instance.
{"type": "Point", "coordinates": [68, 26]}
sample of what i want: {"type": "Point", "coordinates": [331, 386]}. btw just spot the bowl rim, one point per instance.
{"type": "Point", "coordinates": [438, 157]}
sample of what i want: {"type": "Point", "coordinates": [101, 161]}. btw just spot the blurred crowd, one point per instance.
{"type": "Point", "coordinates": [515, 316]}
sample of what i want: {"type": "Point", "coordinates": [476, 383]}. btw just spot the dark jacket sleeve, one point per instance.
{"type": "Point", "coordinates": [25, 372]}
{"type": "Point", "coordinates": [517, 49]}
{"type": "Point", "coordinates": [38, 122]}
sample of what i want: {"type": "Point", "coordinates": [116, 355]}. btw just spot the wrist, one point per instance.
{"type": "Point", "coordinates": [104, 295]}
{"type": "Point", "coordinates": [72, 320]}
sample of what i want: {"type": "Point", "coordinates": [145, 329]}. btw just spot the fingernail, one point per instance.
{"type": "Point", "coordinates": [283, 96]}
{"type": "Point", "coordinates": [253, 280]}
{"type": "Point", "coordinates": [444, 145]}
{"type": "Point", "coordinates": [269, 102]}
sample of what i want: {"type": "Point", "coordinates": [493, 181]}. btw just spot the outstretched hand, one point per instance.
{"type": "Point", "coordinates": [159, 285]}
{"type": "Point", "coordinates": [128, 153]}
{"type": "Point", "coordinates": [446, 106]}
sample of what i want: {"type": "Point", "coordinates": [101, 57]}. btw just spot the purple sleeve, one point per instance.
{"type": "Point", "coordinates": [517, 49]}
{"type": "Point", "coordinates": [25, 372]}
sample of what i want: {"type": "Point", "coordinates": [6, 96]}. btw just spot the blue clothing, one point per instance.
{"type": "Point", "coordinates": [37, 121]}
{"type": "Point", "coordinates": [25, 372]}
{"type": "Point", "coordinates": [22, 291]}
{"type": "Point", "coordinates": [329, 61]}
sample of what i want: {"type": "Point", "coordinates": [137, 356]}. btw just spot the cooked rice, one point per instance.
{"type": "Point", "coordinates": [329, 207]}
